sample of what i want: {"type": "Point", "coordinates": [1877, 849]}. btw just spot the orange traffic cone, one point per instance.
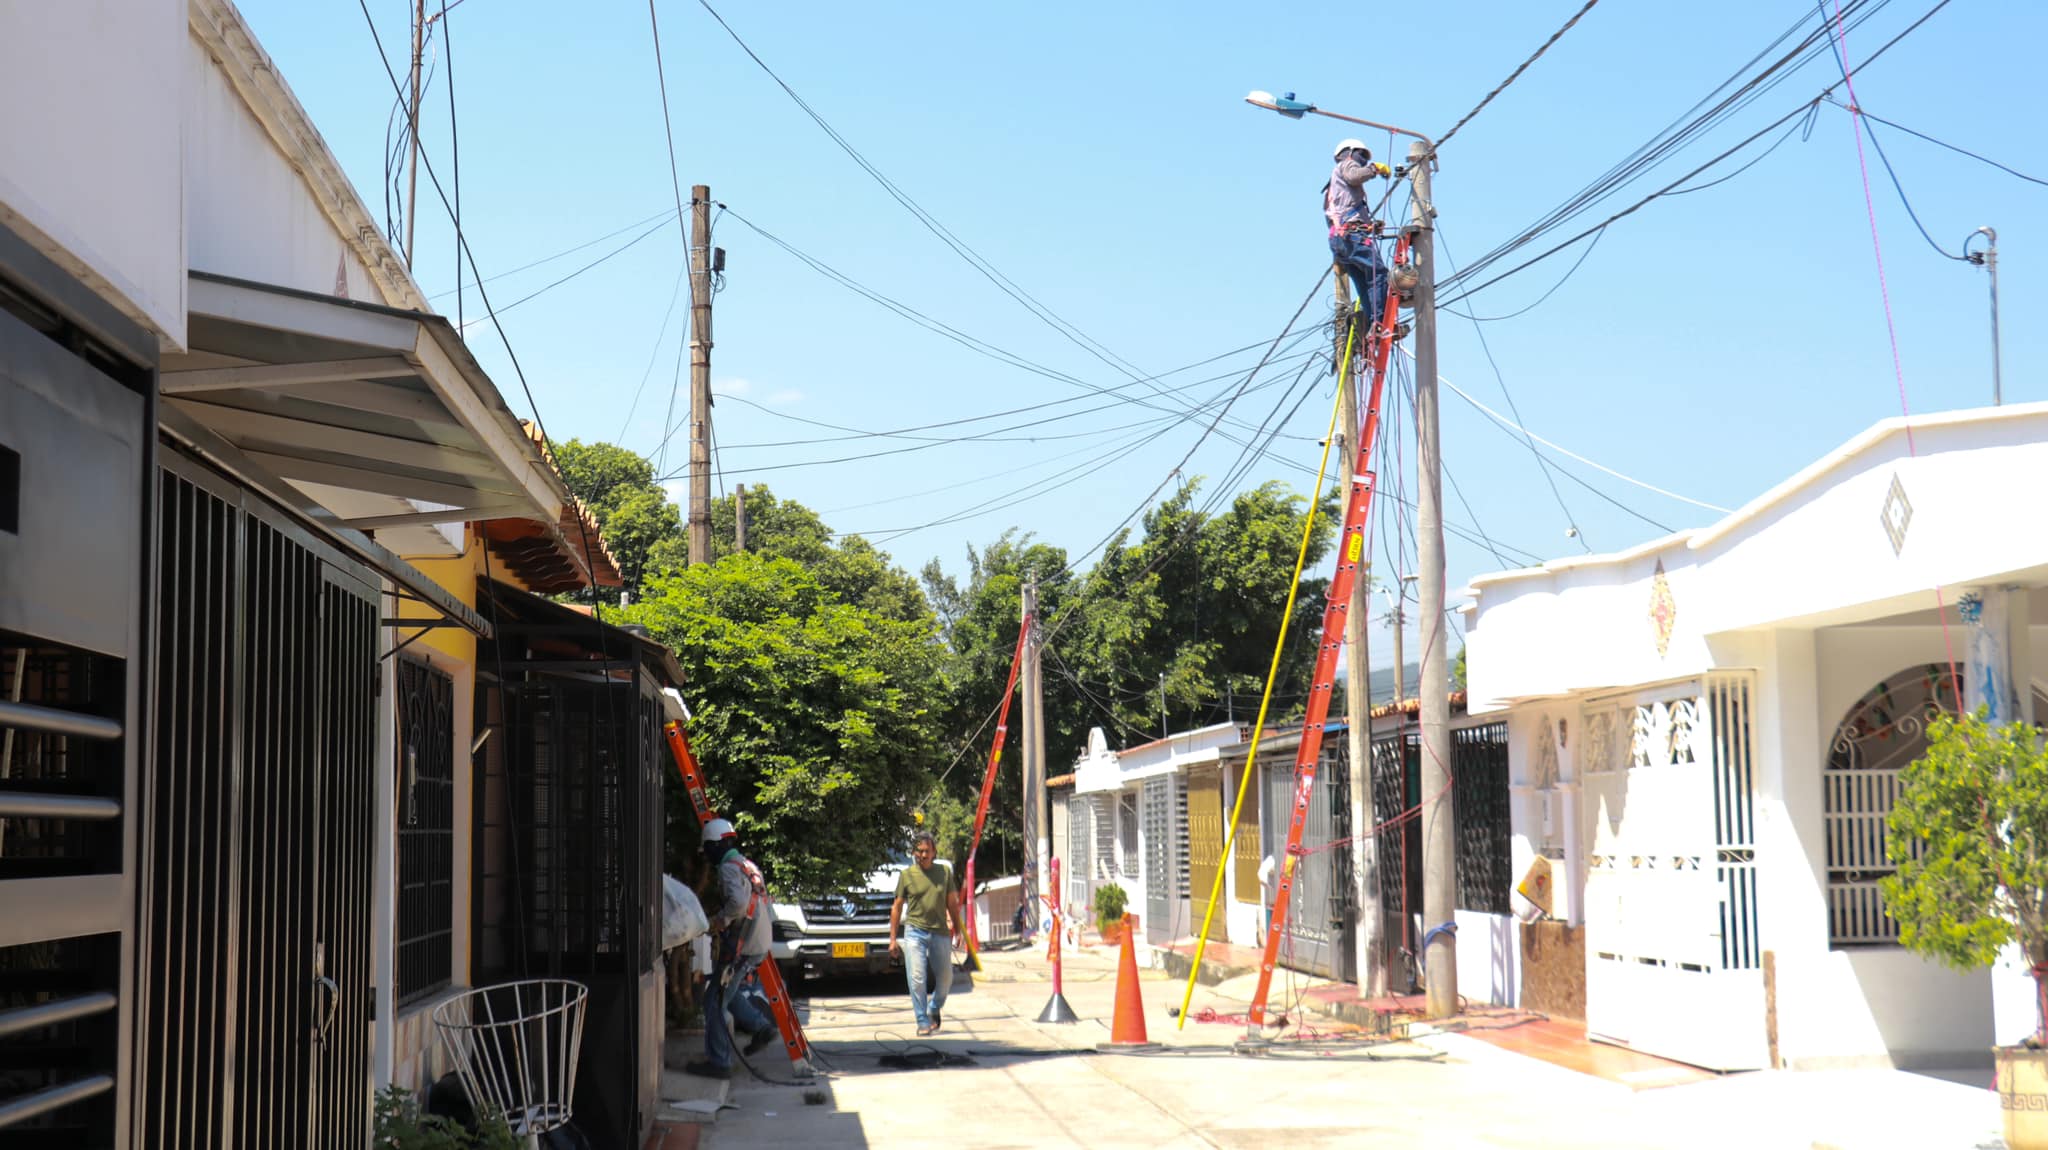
{"type": "Point", "coordinates": [1127, 1030]}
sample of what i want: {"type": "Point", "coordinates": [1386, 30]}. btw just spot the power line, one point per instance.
{"type": "Point", "coordinates": [1667, 142]}
{"type": "Point", "coordinates": [1576, 264]}
{"type": "Point", "coordinates": [1517, 73]}
{"type": "Point", "coordinates": [579, 271]}
{"type": "Point", "coordinates": [660, 337]}
{"type": "Point", "coordinates": [1908, 203]}
{"type": "Point", "coordinates": [668, 134]}
{"type": "Point", "coordinates": [659, 217]}
{"type": "Point", "coordinates": [1866, 114]}
{"type": "Point", "coordinates": [1543, 465]}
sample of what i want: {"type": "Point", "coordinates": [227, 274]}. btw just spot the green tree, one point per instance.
{"type": "Point", "coordinates": [849, 566]}
{"type": "Point", "coordinates": [816, 718]}
{"type": "Point", "coordinates": [641, 527]}
{"type": "Point", "coordinates": [1969, 836]}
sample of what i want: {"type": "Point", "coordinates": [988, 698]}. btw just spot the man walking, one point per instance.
{"type": "Point", "coordinates": [927, 913]}
{"type": "Point", "coordinates": [740, 929]}
{"type": "Point", "coordinates": [1354, 241]}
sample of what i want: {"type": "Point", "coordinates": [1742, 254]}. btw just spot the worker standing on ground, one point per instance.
{"type": "Point", "coordinates": [741, 928]}
{"type": "Point", "coordinates": [1354, 234]}
{"type": "Point", "coordinates": [927, 913]}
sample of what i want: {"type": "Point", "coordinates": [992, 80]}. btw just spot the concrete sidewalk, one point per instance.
{"type": "Point", "coordinates": [1008, 1082]}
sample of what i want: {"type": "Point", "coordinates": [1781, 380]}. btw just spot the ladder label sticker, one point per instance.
{"type": "Point", "coordinates": [1354, 547]}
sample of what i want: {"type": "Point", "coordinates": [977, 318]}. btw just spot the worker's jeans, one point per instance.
{"type": "Point", "coordinates": [928, 961]}
{"type": "Point", "coordinates": [1359, 256]}
{"type": "Point", "coordinates": [730, 994]}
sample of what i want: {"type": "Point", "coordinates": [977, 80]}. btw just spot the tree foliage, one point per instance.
{"type": "Point", "coordinates": [1969, 836]}
{"type": "Point", "coordinates": [815, 717]}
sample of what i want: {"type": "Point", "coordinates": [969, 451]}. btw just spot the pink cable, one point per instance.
{"type": "Point", "coordinates": [1890, 324]}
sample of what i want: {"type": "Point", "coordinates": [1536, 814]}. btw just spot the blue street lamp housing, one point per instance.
{"type": "Point", "coordinates": [1285, 104]}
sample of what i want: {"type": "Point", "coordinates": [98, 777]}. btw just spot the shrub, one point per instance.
{"type": "Point", "coordinates": [1110, 901]}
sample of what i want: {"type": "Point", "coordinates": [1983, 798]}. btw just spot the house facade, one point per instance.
{"type": "Point", "coordinates": [266, 530]}
{"type": "Point", "coordinates": [1706, 733]}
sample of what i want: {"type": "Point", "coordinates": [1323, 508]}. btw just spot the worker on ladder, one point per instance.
{"type": "Point", "coordinates": [1354, 234]}
{"type": "Point", "coordinates": [741, 929]}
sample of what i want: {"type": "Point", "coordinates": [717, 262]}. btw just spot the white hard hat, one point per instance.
{"type": "Point", "coordinates": [1344, 146]}
{"type": "Point", "coordinates": [718, 829]}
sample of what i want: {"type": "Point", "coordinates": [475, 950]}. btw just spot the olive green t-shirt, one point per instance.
{"type": "Point", "coordinates": [923, 894]}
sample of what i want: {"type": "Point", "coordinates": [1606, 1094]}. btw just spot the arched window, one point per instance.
{"type": "Point", "coordinates": [1881, 734]}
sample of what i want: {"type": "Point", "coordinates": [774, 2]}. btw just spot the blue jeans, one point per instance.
{"type": "Point", "coordinates": [731, 994]}
{"type": "Point", "coordinates": [1359, 256]}
{"type": "Point", "coordinates": [928, 961]}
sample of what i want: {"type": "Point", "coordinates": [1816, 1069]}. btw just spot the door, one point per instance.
{"type": "Point", "coordinates": [1161, 871]}
{"type": "Point", "coordinates": [1317, 912]}
{"type": "Point", "coordinates": [257, 833]}
{"type": "Point", "coordinates": [1673, 964]}
{"type": "Point", "coordinates": [1205, 850]}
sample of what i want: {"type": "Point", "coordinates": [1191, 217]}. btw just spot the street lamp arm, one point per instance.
{"type": "Point", "coordinates": [1290, 107]}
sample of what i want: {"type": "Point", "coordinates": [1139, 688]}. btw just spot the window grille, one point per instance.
{"type": "Point", "coordinates": [1479, 766]}
{"type": "Point", "coordinates": [1884, 731]}
{"type": "Point", "coordinates": [1127, 834]}
{"type": "Point", "coordinates": [426, 830]}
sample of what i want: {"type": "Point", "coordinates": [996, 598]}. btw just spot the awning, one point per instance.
{"type": "Point", "coordinates": [379, 416]}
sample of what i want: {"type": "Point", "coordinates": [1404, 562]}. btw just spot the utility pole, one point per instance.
{"type": "Point", "coordinates": [1399, 618]}
{"type": "Point", "coordinates": [412, 166]}
{"type": "Point", "coordinates": [1372, 974]}
{"type": "Point", "coordinates": [739, 517]}
{"type": "Point", "coordinates": [1439, 843]}
{"type": "Point", "coordinates": [1164, 730]}
{"type": "Point", "coordinates": [1988, 260]}
{"type": "Point", "coordinates": [700, 374]}
{"type": "Point", "coordinates": [1036, 843]}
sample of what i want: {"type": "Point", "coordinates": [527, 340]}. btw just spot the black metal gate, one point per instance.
{"type": "Point", "coordinates": [254, 1005]}
{"type": "Point", "coordinates": [570, 836]}
{"type": "Point", "coordinates": [1396, 788]}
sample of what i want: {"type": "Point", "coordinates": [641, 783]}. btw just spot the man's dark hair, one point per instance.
{"type": "Point", "coordinates": [922, 837]}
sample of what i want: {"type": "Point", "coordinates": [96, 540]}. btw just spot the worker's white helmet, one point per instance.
{"type": "Point", "coordinates": [717, 830]}
{"type": "Point", "coordinates": [1344, 146]}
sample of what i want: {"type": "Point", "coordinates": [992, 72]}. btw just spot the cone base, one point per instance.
{"type": "Point", "coordinates": [1057, 1011]}
{"type": "Point", "coordinates": [1126, 1047]}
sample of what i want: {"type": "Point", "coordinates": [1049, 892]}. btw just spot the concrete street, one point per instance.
{"type": "Point", "coordinates": [1044, 1086]}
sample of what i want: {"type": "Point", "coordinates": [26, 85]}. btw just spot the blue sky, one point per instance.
{"type": "Point", "coordinates": [1100, 156]}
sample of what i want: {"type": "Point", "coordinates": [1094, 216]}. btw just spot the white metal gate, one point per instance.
{"type": "Point", "coordinates": [1673, 965]}
{"type": "Point", "coordinates": [1162, 864]}
{"type": "Point", "coordinates": [1080, 863]}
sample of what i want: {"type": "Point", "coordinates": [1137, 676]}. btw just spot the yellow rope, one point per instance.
{"type": "Point", "coordinates": [1251, 757]}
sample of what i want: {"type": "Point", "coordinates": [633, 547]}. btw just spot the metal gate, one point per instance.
{"type": "Point", "coordinates": [1673, 965]}
{"type": "Point", "coordinates": [1162, 870]}
{"type": "Point", "coordinates": [1204, 795]}
{"type": "Point", "coordinates": [1396, 789]}
{"type": "Point", "coordinates": [1080, 864]}
{"type": "Point", "coordinates": [1318, 925]}
{"type": "Point", "coordinates": [254, 1013]}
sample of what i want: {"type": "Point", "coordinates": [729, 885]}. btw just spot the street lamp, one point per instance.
{"type": "Point", "coordinates": [1294, 109]}
{"type": "Point", "coordinates": [1988, 260]}
{"type": "Point", "coordinates": [1439, 851]}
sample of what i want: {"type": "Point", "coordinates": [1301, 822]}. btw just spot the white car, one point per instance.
{"type": "Point", "coordinates": [847, 934]}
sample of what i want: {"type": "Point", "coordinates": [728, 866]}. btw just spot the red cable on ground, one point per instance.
{"type": "Point", "coordinates": [1890, 324]}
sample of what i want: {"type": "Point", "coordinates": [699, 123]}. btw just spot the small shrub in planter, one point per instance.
{"type": "Point", "coordinates": [1110, 901]}
{"type": "Point", "coordinates": [1969, 836]}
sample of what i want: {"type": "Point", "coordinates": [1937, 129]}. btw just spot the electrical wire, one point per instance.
{"type": "Point", "coordinates": [1543, 465]}
{"type": "Point", "coordinates": [1906, 202]}
{"type": "Point", "coordinates": [675, 293]}
{"type": "Point", "coordinates": [1517, 73]}
{"type": "Point", "coordinates": [454, 148]}
{"type": "Point", "coordinates": [1667, 143]}
{"type": "Point", "coordinates": [1870, 117]}
{"type": "Point", "coordinates": [537, 292]}
{"type": "Point", "coordinates": [659, 217]}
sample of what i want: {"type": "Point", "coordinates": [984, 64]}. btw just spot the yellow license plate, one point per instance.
{"type": "Point", "coordinates": [849, 950]}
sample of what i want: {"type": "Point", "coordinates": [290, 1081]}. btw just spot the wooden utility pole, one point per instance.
{"type": "Point", "coordinates": [739, 517]}
{"type": "Point", "coordinates": [412, 166]}
{"type": "Point", "coordinates": [1439, 839]}
{"type": "Point", "coordinates": [700, 374]}
{"type": "Point", "coordinates": [1037, 845]}
{"type": "Point", "coordinates": [1357, 698]}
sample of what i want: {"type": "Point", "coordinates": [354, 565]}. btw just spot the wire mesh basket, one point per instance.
{"type": "Point", "coordinates": [515, 1045]}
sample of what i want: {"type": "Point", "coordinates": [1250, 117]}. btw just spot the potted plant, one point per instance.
{"type": "Point", "coordinates": [1109, 912]}
{"type": "Point", "coordinates": [1969, 836]}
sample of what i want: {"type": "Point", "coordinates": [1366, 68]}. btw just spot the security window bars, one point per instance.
{"type": "Point", "coordinates": [1884, 731]}
{"type": "Point", "coordinates": [1479, 766]}
{"type": "Point", "coordinates": [426, 830]}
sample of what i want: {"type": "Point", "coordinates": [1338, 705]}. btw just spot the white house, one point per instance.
{"type": "Point", "coordinates": [1706, 731]}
